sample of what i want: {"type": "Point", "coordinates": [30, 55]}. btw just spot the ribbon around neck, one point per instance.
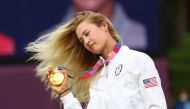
{"type": "Point", "coordinates": [100, 62]}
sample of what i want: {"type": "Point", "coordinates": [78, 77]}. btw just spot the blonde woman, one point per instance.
{"type": "Point", "coordinates": [107, 74]}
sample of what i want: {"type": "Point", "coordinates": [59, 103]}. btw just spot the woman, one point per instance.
{"type": "Point", "coordinates": [120, 78]}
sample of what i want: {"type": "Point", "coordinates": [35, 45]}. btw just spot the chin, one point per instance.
{"type": "Point", "coordinates": [96, 51]}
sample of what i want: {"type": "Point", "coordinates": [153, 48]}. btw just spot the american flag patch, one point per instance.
{"type": "Point", "coordinates": [150, 82]}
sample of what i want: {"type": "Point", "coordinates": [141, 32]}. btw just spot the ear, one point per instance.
{"type": "Point", "coordinates": [104, 25]}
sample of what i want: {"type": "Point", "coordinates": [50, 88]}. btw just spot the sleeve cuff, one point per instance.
{"type": "Point", "coordinates": [68, 98]}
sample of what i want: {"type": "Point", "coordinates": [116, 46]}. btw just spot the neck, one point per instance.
{"type": "Point", "coordinates": [109, 46]}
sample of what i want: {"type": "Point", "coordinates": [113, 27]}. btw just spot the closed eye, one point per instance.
{"type": "Point", "coordinates": [86, 34]}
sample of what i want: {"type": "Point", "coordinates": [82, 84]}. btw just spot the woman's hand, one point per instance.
{"type": "Point", "coordinates": [62, 89]}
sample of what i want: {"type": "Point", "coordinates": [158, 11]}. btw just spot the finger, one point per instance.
{"type": "Point", "coordinates": [56, 89]}
{"type": "Point", "coordinates": [50, 70]}
{"type": "Point", "coordinates": [60, 68]}
{"type": "Point", "coordinates": [62, 86]}
{"type": "Point", "coordinates": [65, 77]}
{"type": "Point", "coordinates": [63, 68]}
{"type": "Point", "coordinates": [48, 73]}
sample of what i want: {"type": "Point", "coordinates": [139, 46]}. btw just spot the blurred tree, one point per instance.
{"type": "Point", "coordinates": [179, 58]}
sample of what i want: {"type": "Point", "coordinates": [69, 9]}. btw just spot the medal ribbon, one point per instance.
{"type": "Point", "coordinates": [100, 63]}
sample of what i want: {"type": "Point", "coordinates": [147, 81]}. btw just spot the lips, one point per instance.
{"type": "Point", "coordinates": [91, 46]}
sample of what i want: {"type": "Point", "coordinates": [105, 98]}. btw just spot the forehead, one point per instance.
{"type": "Point", "coordinates": [82, 26]}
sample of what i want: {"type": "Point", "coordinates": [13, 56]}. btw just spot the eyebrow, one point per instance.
{"type": "Point", "coordinates": [84, 31]}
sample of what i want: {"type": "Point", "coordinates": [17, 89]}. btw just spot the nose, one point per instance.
{"type": "Point", "coordinates": [87, 41]}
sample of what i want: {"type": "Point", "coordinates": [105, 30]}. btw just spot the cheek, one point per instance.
{"type": "Point", "coordinates": [101, 37]}
{"type": "Point", "coordinates": [98, 35]}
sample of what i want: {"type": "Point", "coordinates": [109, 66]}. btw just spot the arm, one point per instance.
{"type": "Point", "coordinates": [150, 85]}
{"type": "Point", "coordinates": [67, 98]}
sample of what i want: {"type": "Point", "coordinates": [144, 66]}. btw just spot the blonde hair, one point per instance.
{"type": "Point", "coordinates": [62, 48]}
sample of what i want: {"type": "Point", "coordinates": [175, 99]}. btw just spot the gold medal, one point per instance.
{"type": "Point", "coordinates": [56, 78]}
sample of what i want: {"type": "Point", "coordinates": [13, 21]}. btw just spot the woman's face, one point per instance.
{"type": "Point", "coordinates": [91, 36]}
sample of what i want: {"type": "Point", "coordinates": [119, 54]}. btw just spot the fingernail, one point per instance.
{"type": "Point", "coordinates": [60, 68]}
{"type": "Point", "coordinates": [49, 70]}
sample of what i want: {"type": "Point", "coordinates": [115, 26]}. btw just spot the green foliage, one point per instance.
{"type": "Point", "coordinates": [179, 61]}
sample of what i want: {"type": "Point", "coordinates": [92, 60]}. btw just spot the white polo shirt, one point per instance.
{"type": "Point", "coordinates": [129, 81]}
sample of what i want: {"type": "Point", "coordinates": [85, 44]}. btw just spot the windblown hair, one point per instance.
{"type": "Point", "coordinates": [62, 48]}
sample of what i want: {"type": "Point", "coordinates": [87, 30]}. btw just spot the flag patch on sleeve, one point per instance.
{"type": "Point", "coordinates": [150, 82]}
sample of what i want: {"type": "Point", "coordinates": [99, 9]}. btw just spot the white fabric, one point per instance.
{"type": "Point", "coordinates": [120, 85]}
{"type": "Point", "coordinates": [70, 102]}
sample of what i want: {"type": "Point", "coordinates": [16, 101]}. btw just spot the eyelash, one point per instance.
{"type": "Point", "coordinates": [86, 34]}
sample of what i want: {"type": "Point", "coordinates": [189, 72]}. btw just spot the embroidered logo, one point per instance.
{"type": "Point", "coordinates": [150, 82]}
{"type": "Point", "coordinates": [118, 69]}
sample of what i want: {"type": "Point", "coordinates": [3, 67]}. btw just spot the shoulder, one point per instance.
{"type": "Point", "coordinates": [134, 54]}
{"type": "Point", "coordinates": [136, 57]}
{"type": "Point", "coordinates": [142, 58]}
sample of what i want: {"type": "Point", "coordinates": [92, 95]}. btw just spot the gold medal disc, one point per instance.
{"type": "Point", "coordinates": [56, 78]}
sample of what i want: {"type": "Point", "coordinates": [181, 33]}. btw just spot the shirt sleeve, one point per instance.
{"type": "Point", "coordinates": [70, 102]}
{"type": "Point", "coordinates": [150, 85]}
